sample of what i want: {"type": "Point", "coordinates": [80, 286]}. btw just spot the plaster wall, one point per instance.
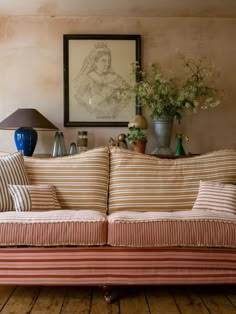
{"type": "Point", "coordinates": [31, 63]}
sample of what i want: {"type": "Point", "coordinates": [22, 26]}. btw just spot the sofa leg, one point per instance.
{"type": "Point", "coordinates": [110, 294]}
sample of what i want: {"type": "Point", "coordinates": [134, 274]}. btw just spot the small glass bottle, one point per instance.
{"type": "Point", "coordinates": [56, 145]}
{"type": "Point", "coordinates": [72, 149]}
{"type": "Point", "coordinates": [62, 146]}
{"type": "Point", "coordinates": [82, 141]}
{"type": "Point", "coordinates": [179, 151]}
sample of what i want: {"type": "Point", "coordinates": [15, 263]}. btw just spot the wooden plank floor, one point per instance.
{"type": "Point", "coordinates": [133, 300]}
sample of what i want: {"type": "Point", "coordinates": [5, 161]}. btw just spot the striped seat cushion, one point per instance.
{"type": "Point", "coordinates": [12, 171]}
{"type": "Point", "coordinates": [57, 227]}
{"type": "Point", "coordinates": [172, 229]}
{"type": "Point", "coordinates": [81, 180]}
{"type": "Point", "coordinates": [217, 197]}
{"type": "Point", "coordinates": [34, 197]}
{"type": "Point", "coordinates": [145, 183]}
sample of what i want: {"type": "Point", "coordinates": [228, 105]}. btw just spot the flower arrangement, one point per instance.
{"type": "Point", "coordinates": [175, 97]}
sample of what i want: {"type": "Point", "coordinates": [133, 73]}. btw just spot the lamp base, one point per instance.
{"type": "Point", "coordinates": [26, 140]}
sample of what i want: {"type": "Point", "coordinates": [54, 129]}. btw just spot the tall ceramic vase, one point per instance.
{"type": "Point", "coordinates": [163, 131]}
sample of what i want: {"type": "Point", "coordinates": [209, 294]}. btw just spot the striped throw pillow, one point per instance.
{"type": "Point", "coordinates": [12, 171]}
{"type": "Point", "coordinates": [140, 182]}
{"type": "Point", "coordinates": [81, 180]}
{"type": "Point", "coordinates": [34, 197]}
{"type": "Point", "coordinates": [217, 197]}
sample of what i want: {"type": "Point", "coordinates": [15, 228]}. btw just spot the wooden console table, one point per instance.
{"type": "Point", "coordinates": [175, 157]}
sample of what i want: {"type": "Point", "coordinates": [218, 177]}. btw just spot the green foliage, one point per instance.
{"type": "Point", "coordinates": [176, 97]}
{"type": "Point", "coordinates": [135, 134]}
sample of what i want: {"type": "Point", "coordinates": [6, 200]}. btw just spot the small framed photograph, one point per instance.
{"type": "Point", "coordinates": [96, 70]}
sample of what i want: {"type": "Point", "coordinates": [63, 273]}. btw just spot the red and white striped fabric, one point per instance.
{"type": "Point", "coordinates": [217, 197]}
{"type": "Point", "coordinates": [159, 229]}
{"type": "Point", "coordinates": [34, 197]}
{"type": "Point", "coordinates": [116, 266]}
{"type": "Point", "coordinates": [53, 228]}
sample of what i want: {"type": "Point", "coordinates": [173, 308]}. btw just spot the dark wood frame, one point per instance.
{"type": "Point", "coordinates": [66, 40]}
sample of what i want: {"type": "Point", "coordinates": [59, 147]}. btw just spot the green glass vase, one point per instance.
{"type": "Point", "coordinates": [179, 151]}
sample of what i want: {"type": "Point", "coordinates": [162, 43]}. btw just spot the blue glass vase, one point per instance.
{"type": "Point", "coordinates": [26, 140]}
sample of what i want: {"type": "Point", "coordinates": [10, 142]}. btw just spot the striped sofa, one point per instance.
{"type": "Point", "coordinates": [125, 219]}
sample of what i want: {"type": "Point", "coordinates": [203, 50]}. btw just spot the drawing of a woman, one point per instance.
{"type": "Point", "coordinates": [98, 88]}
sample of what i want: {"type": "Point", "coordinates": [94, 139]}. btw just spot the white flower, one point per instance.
{"type": "Point", "coordinates": [216, 103]}
{"type": "Point", "coordinates": [209, 100]}
{"type": "Point", "coordinates": [174, 96]}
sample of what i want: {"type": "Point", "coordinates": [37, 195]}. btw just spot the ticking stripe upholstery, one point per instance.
{"type": "Point", "coordinates": [34, 197]}
{"type": "Point", "coordinates": [217, 197]}
{"type": "Point", "coordinates": [81, 180]}
{"type": "Point", "coordinates": [145, 183]}
{"type": "Point", "coordinates": [116, 266]}
{"type": "Point", "coordinates": [186, 228]}
{"type": "Point", "coordinates": [56, 227]}
{"type": "Point", "coordinates": [12, 171]}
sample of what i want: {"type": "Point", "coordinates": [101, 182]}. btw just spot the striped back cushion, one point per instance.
{"type": "Point", "coordinates": [12, 171]}
{"type": "Point", "coordinates": [145, 183]}
{"type": "Point", "coordinates": [217, 197]}
{"type": "Point", "coordinates": [81, 180]}
{"type": "Point", "coordinates": [34, 197]}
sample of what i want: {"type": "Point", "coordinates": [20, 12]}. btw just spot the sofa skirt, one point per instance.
{"type": "Point", "coordinates": [117, 266]}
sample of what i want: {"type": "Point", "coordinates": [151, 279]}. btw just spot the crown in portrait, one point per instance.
{"type": "Point", "coordinates": [101, 46]}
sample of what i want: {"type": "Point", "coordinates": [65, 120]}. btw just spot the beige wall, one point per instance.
{"type": "Point", "coordinates": [31, 63]}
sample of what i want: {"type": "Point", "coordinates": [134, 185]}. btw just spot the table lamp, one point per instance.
{"type": "Point", "coordinates": [26, 121]}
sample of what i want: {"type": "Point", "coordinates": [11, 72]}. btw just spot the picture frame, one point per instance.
{"type": "Point", "coordinates": [96, 69]}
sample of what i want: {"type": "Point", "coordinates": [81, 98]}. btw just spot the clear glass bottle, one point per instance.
{"type": "Point", "coordinates": [56, 145]}
{"type": "Point", "coordinates": [82, 141]}
{"type": "Point", "coordinates": [72, 149]}
{"type": "Point", "coordinates": [62, 146]}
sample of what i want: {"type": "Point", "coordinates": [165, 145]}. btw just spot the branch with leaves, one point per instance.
{"type": "Point", "coordinates": [175, 96]}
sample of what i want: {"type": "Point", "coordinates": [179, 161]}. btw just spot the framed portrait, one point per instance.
{"type": "Point", "coordinates": [97, 68]}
